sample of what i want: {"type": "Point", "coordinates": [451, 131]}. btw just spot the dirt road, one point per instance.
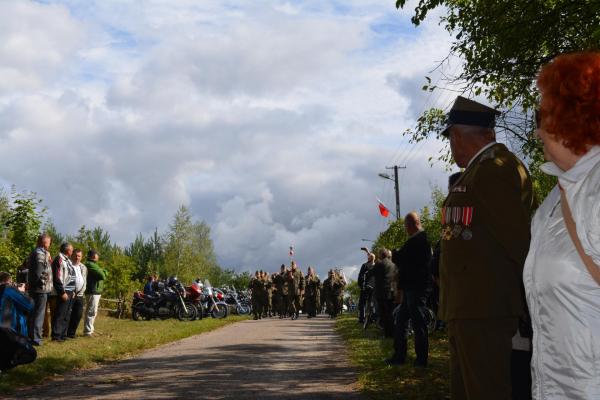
{"type": "Point", "coordinates": [266, 359]}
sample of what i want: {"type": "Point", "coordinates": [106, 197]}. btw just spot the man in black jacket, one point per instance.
{"type": "Point", "coordinates": [361, 284]}
{"type": "Point", "coordinates": [384, 274]}
{"type": "Point", "coordinates": [414, 282]}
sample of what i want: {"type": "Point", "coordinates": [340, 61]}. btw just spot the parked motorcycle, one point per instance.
{"type": "Point", "coordinates": [232, 298]}
{"type": "Point", "coordinates": [169, 302]}
{"type": "Point", "coordinates": [212, 302]}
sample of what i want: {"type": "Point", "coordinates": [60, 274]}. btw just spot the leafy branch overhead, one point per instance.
{"type": "Point", "coordinates": [502, 45]}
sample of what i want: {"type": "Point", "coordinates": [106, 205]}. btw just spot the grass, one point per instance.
{"type": "Point", "coordinates": [114, 339]}
{"type": "Point", "coordinates": [379, 381]}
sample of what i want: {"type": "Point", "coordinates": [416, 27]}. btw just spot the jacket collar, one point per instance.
{"type": "Point", "coordinates": [579, 171]}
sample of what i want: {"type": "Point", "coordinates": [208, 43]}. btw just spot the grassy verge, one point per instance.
{"type": "Point", "coordinates": [379, 381]}
{"type": "Point", "coordinates": [114, 339]}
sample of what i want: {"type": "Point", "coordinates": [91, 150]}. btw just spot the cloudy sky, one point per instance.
{"type": "Point", "coordinates": [269, 119]}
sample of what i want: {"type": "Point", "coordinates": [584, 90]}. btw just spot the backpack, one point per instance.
{"type": "Point", "coordinates": [15, 349]}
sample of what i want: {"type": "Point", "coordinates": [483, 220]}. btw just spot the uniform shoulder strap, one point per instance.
{"type": "Point", "coordinates": [591, 266]}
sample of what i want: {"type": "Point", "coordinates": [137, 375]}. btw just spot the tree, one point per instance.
{"type": "Point", "coordinates": [188, 249]}
{"type": "Point", "coordinates": [24, 220]}
{"type": "Point", "coordinates": [395, 235]}
{"type": "Point", "coordinates": [502, 45]}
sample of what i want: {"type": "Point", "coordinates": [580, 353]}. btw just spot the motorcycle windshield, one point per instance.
{"type": "Point", "coordinates": [208, 287]}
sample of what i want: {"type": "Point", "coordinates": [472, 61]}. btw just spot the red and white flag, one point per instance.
{"type": "Point", "coordinates": [383, 209]}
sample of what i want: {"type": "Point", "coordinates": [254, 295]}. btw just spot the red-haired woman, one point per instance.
{"type": "Point", "coordinates": [562, 273]}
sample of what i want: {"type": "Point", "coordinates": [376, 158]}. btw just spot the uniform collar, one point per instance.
{"type": "Point", "coordinates": [583, 166]}
{"type": "Point", "coordinates": [484, 148]}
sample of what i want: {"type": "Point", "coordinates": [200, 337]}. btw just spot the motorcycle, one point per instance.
{"type": "Point", "coordinates": [233, 299]}
{"type": "Point", "coordinates": [168, 303]}
{"type": "Point", "coordinates": [210, 305]}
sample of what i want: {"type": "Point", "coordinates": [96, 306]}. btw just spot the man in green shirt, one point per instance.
{"type": "Point", "coordinates": [95, 285]}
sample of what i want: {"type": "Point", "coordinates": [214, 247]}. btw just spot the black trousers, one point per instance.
{"type": "Point", "coordinates": [362, 300]}
{"type": "Point", "coordinates": [520, 371]}
{"type": "Point", "coordinates": [386, 319]}
{"type": "Point", "coordinates": [61, 317]}
{"type": "Point", "coordinates": [414, 308]}
{"type": "Point", "coordinates": [76, 313]}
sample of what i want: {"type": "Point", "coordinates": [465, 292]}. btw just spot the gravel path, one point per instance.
{"type": "Point", "coordinates": [266, 359]}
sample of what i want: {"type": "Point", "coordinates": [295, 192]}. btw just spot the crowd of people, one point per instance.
{"type": "Point", "coordinates": [288, 292]}
{"type": "Point", "coordinates": [52, 294]}
{"type": "Point", "coordinates": [520, 297]}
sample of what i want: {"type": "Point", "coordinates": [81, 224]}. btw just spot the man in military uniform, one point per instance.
{"type": "Point", "coordinates": [295, 288]}
{"type": "Point", "coordinates": [311, 293]}
{"type": "Point", "coordinates": [485, 240]}
{"type": "Point", "coordinates": [281, 292]}
{"type": "Point", "coordinates": [256, 286]}
{"type": "Point", "coordinates": [267, 294]}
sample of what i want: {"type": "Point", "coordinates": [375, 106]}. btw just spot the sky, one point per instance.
{"type": "Point", "coordinates": [270, 120]}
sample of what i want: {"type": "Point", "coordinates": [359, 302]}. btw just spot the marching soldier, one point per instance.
{"type": "Point", "coordinates": [295, 282]}
{"type": "Point", "coordinates": [311, 293]}
{"type": "Point", "coordinates": [275, 296]}
{"type": "Point", "coordinates": [280, 281]}
{"type": "Point", "coordinates": [256, 286]}
{"type": "Point", "coordinates": [486, 233]}
{"type": "Point", "coordinates": [332, 289]}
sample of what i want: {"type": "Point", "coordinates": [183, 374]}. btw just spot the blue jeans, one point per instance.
{"type": "Point", "coordinates": [36, 318]}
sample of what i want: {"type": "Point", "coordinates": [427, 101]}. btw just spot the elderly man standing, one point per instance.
{"type": "Point", "coordinates": [415, 283]}
{"type": "Point", "coordinates": [40, 285]}
{"type": "Point", "coordinates": [485, 239]}
{"type": "Point", "coordinates": [63, 275]}
{"type": "Point", "coordinates": [78, 299]}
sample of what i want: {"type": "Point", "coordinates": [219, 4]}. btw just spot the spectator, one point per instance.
{"type": "Point", "coordinates": [14, 306]}
{"type": "Point", "coordinates": [485, 238]}
{"type": "Point", "coordinates": [384, 272]}
{"type": "Point", "coordinates": [40, 285]}
{"type": "Point", "coordinates": [415, 281]}
{"type": "Point", "coordinates": [435, 266]}
{"type": "Point", "coordinates": [562, 271]}
{"type": "Point", "coordinates": [95, 285]}
{"type": "Point", "coordinates": [361, 284]}
{"type": "Point", "coordinates": [78, 298]}
{"type": "Point", "coordinates": [149, 286]}
{"type": "Point", "coordinates": [64, 278]}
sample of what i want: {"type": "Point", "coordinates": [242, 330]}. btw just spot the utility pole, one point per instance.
{"type": "Point", "coordinates": [396, 186]}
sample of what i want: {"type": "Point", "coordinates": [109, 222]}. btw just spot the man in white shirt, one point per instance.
{"type": "Point", "coordinates": [78, 299]}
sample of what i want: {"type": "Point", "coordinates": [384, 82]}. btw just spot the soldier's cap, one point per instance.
{"type": "Point", "coordinates": [469, 112]}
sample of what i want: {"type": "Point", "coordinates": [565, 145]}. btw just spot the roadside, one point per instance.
{"type": "Point", "coordinates": [115, 339]}
{"type": "Point", "coordinates": [367, 350]}
{"type": "Point", "coordinates": [265, 359]}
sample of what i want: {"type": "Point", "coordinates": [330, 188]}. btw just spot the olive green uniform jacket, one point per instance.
{"type": "Point", "coordinates": [485, 238]}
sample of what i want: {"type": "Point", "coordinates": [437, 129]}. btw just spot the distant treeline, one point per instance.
{"type": "Point", "coordinates": [185, 250]}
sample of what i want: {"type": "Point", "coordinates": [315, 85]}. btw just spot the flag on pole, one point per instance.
{"type": "Point", "coordinates": [383, 209]}
{"type": "Point", "coordinates": [291, 251]}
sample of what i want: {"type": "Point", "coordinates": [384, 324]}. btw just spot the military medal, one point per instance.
{"type": "Point", "coordinates": [467, 218]}
{"type": "Point", "coordinates": [456, 230]}
{"type": "Point", "coordinates": [447, 233]}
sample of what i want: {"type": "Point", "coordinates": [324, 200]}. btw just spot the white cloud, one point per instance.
{"type": "Point", "coordinates": [270, 119]}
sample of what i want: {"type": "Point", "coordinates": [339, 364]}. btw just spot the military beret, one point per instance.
{"type": "Point", "coordinates": [469, 112]}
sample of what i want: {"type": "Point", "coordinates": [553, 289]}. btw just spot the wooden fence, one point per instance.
{"type": "Point", "coordinates": [115, 307]}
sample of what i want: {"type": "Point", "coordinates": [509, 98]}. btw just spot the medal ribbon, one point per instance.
{"type": "Point", "coordinates": [467, 216]}
{"type": "Point", "coordinates": [456, 214]}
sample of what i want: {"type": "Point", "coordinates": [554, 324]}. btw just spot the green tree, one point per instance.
{"type": "Point", "coordinates": [121, 268]}
{"type": "Point", "coordinates": [188, 249]}
{"type": "Point", "coordinates": [23, 221]}
{"type": "Point", "coordinates": [502, 45]}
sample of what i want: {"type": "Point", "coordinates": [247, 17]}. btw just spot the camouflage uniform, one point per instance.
{"type": "Point", "coordinates": [295, 280]}
{"type": "Point", "coordinates": [257, 287]}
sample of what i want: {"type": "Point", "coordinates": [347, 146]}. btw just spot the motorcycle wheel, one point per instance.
{"type": "Point", "coordinates": [243, 309]}
{"type": "Point", "coordinates": [190, 315]}
{"type": "Point", "coordinates": [136, 314]}
{"type": "Point", "coordinates": [220, 311]}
